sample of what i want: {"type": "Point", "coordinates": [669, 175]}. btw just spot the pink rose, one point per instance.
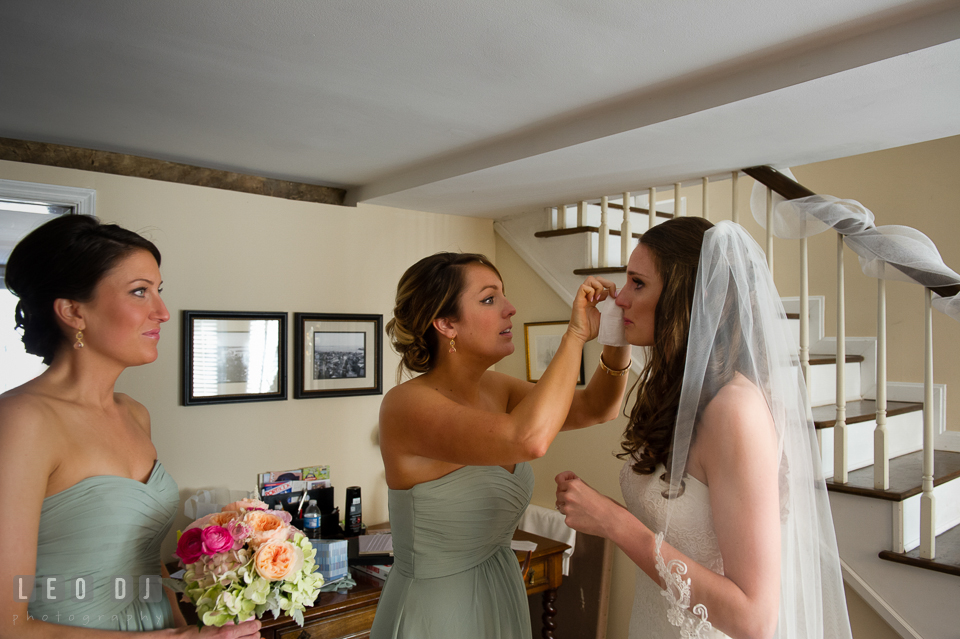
{"type": "Point", "coordinates": [190, 546]}
{"type": "Point", "coordinates": [240, 533]}
{"type": "Point", "coordinates": [203, 522]}
{"type": "Point", "coordinates": [245, 505]}
{"type": "Point", "coordinates": [216, 539]}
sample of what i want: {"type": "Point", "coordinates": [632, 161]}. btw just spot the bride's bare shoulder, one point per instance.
{"type": "Point", "coordinates": [738, 409]}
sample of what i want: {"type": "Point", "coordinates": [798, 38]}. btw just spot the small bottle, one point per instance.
{"type": "Point", "coordinates": [353, 518]}
{"type": "Point", "coordinates": [311, 520]}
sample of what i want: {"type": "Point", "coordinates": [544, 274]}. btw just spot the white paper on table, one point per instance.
{"type": "Point", "coordinates": [376, 543]}
{"type": "Point", "coordinates": [523, 546]}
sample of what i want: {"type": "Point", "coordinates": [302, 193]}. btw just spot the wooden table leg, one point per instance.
{"type": "Point", "coordinates": [549, 611]}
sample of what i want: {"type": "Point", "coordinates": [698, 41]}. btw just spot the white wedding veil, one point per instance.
{"type": "Point", "coordinates": [738, 325]}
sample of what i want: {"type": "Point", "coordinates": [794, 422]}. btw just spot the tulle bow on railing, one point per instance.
{"type": "Point", "coordinates": [886, 252]}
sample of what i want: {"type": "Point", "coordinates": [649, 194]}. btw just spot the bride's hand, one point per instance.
{"type": "Point", "coordinates": [585, 509]}
{"type": "Point", "coordinates": [585, 318]}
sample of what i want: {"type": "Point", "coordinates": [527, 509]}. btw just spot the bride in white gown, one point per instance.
{"type": "Point", "coordinates": [727, 516]}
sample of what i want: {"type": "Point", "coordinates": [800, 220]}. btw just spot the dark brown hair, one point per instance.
{"type": "Point", "coordinates": [675, 248]}
{"type": "Point", "coordinates": [63, 259]}
{"type": "Point", "coordinates": [429, 289]}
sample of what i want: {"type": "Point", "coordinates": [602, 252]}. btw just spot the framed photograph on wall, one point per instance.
{"type": "Point", "coordinates": [233, 356]}
{"type": "Point", "coordinates": [543, 340]}
{"type": "Point", "coordinates": [337, 355]}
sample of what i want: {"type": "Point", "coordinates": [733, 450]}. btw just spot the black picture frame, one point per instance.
{"type": "Point", "coordinates": [233, 356]}
{"type": "Point", "coordinates": [542, 339]}
{"type": "Point", "coordinates": [337, 355]}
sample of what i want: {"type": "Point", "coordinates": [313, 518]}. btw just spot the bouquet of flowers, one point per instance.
{"type": "Point", "coordinates": [244, 561]}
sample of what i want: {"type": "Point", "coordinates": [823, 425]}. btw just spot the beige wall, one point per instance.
{"type": "Point", "coordinates": [232, 251]}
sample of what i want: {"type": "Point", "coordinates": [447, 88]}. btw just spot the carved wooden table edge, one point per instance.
{"type": "Point", "coordinates": [548, 557]}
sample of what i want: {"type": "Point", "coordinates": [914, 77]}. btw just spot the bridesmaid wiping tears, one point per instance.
{"type": "Point", "coordinates": [456, 439]}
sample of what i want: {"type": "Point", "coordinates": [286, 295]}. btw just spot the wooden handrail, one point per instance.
{"type": "Point", "coordinates": [791, 190]}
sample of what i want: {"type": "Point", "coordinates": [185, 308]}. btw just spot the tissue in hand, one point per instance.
{"type": "Point", "coordinates": [611, 324]}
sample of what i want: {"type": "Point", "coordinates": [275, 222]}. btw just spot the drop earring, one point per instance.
{"type": "Point", "coordinates": [453, 346]}
{"type": "Point", "coordinates": [79, 343]}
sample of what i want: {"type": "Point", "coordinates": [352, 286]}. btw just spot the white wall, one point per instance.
{"type": "Point", "coordinates": [232, 251]}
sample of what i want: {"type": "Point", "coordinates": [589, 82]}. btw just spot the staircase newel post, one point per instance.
{"type": "Point", "coordinates": [705, 210]}
{"type": "Point", "coordinates": [735, 198]}
{"type": "Point", "coordinates": [881, 447]}
{"type": "Point", "coordinates": [604, 234]}
{"type": "Point", "coordinates": [840, 428]}
{"type": "Point", "coordinates": [928, 502]}
{"type": "Point", "coordinates": [626, 231]}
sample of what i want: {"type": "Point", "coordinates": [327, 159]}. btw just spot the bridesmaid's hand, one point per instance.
{"type": "Point", "coordinates": [246, 630]}
{"type": "Point", "coordinates": [585, 318]}
{"type": "Point", "coordinates": [584, 509]}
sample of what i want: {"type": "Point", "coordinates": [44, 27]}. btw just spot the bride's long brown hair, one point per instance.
{"type": "Point", "coordinates": [675, 248]}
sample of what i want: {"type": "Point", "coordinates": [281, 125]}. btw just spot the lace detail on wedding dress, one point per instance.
{"type": "Point", "coordinates": [692, 625]}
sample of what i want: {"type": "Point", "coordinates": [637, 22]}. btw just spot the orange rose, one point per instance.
{"type": "Point", "coordinates": [265, 527]}
{"type": "Point", "coordinates": [277, 560]}
{"type": "Point", "coordinates": [222, 519]}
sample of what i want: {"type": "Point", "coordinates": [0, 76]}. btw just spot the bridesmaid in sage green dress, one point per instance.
{"type": "Point", "coordinates": [81, 489]}
{"type": "Point", "coordinates": [456, 441]}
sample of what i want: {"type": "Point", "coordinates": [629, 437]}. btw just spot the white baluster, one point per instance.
{"type": "Point", "coordinates": [626, 231]}
{"type": "Point", "coordinates": [652, 208]}
{"type": "Point", "coordinates": [734, 205]}
{"type": "Point", "coordinates": [676, 200]}
{"type": "Point", "coordinates": [881, 447]}
{"type": "Point", "coordinates": [928, 503]}
{"type": "Point", "coordinates": [562, 216]}
{"type": "Point", "coordinates": [706, 202]}
{"type": "Point", "coordinates": [604, 233]}
{"type": "Point", "coordinates": [770, 229]}
{"type": "Point", "coordinates": [840, 427]}
{"type": "Point", "coordinates": [581, 213]}
{"type": "Point", "coordinates": [551, 218]}
{"type": "Point", "coordinates": [805, 314]}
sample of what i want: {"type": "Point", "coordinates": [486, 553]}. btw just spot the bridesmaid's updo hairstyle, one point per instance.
{"type": "Point", "coordinates": [63, 259]}
{"type": "Point", "coordinates": [429, 289]}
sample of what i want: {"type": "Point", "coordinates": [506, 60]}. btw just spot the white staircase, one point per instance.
{"type": "Point", "coordinates": [919, 600]}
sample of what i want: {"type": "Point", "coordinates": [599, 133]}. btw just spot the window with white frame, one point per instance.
{"type": "Point", "coordinates": [23, 207]}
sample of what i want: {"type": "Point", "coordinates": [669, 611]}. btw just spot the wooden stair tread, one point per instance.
{"type": "Point", "coordinates": [820, 360]}
{"type": "Point", "coordinates": [863, 410]}
{"type": "Point", "coordinates": [600, 271]}
{"type": "Point", "coordinates": [577, 230]}
{"type": "Point", "coordinates": [905, 476]}
{"type": "Point", "coordinates": [947, 559]}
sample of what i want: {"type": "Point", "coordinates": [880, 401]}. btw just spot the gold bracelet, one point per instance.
{"type": "Point", "coordinates": [612, 371]}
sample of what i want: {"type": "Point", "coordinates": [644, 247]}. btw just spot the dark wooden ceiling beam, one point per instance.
{"type": "Point", "coordinates": [71, 157]}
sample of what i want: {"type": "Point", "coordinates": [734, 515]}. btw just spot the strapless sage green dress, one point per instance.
{"type": "Point", "coordinates": [454, 575]}
{"type": "Point", "coordinates": [100, 528]}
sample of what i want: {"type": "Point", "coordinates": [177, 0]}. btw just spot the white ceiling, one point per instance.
{"type": "Point", "coordinates": [480, 108]}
